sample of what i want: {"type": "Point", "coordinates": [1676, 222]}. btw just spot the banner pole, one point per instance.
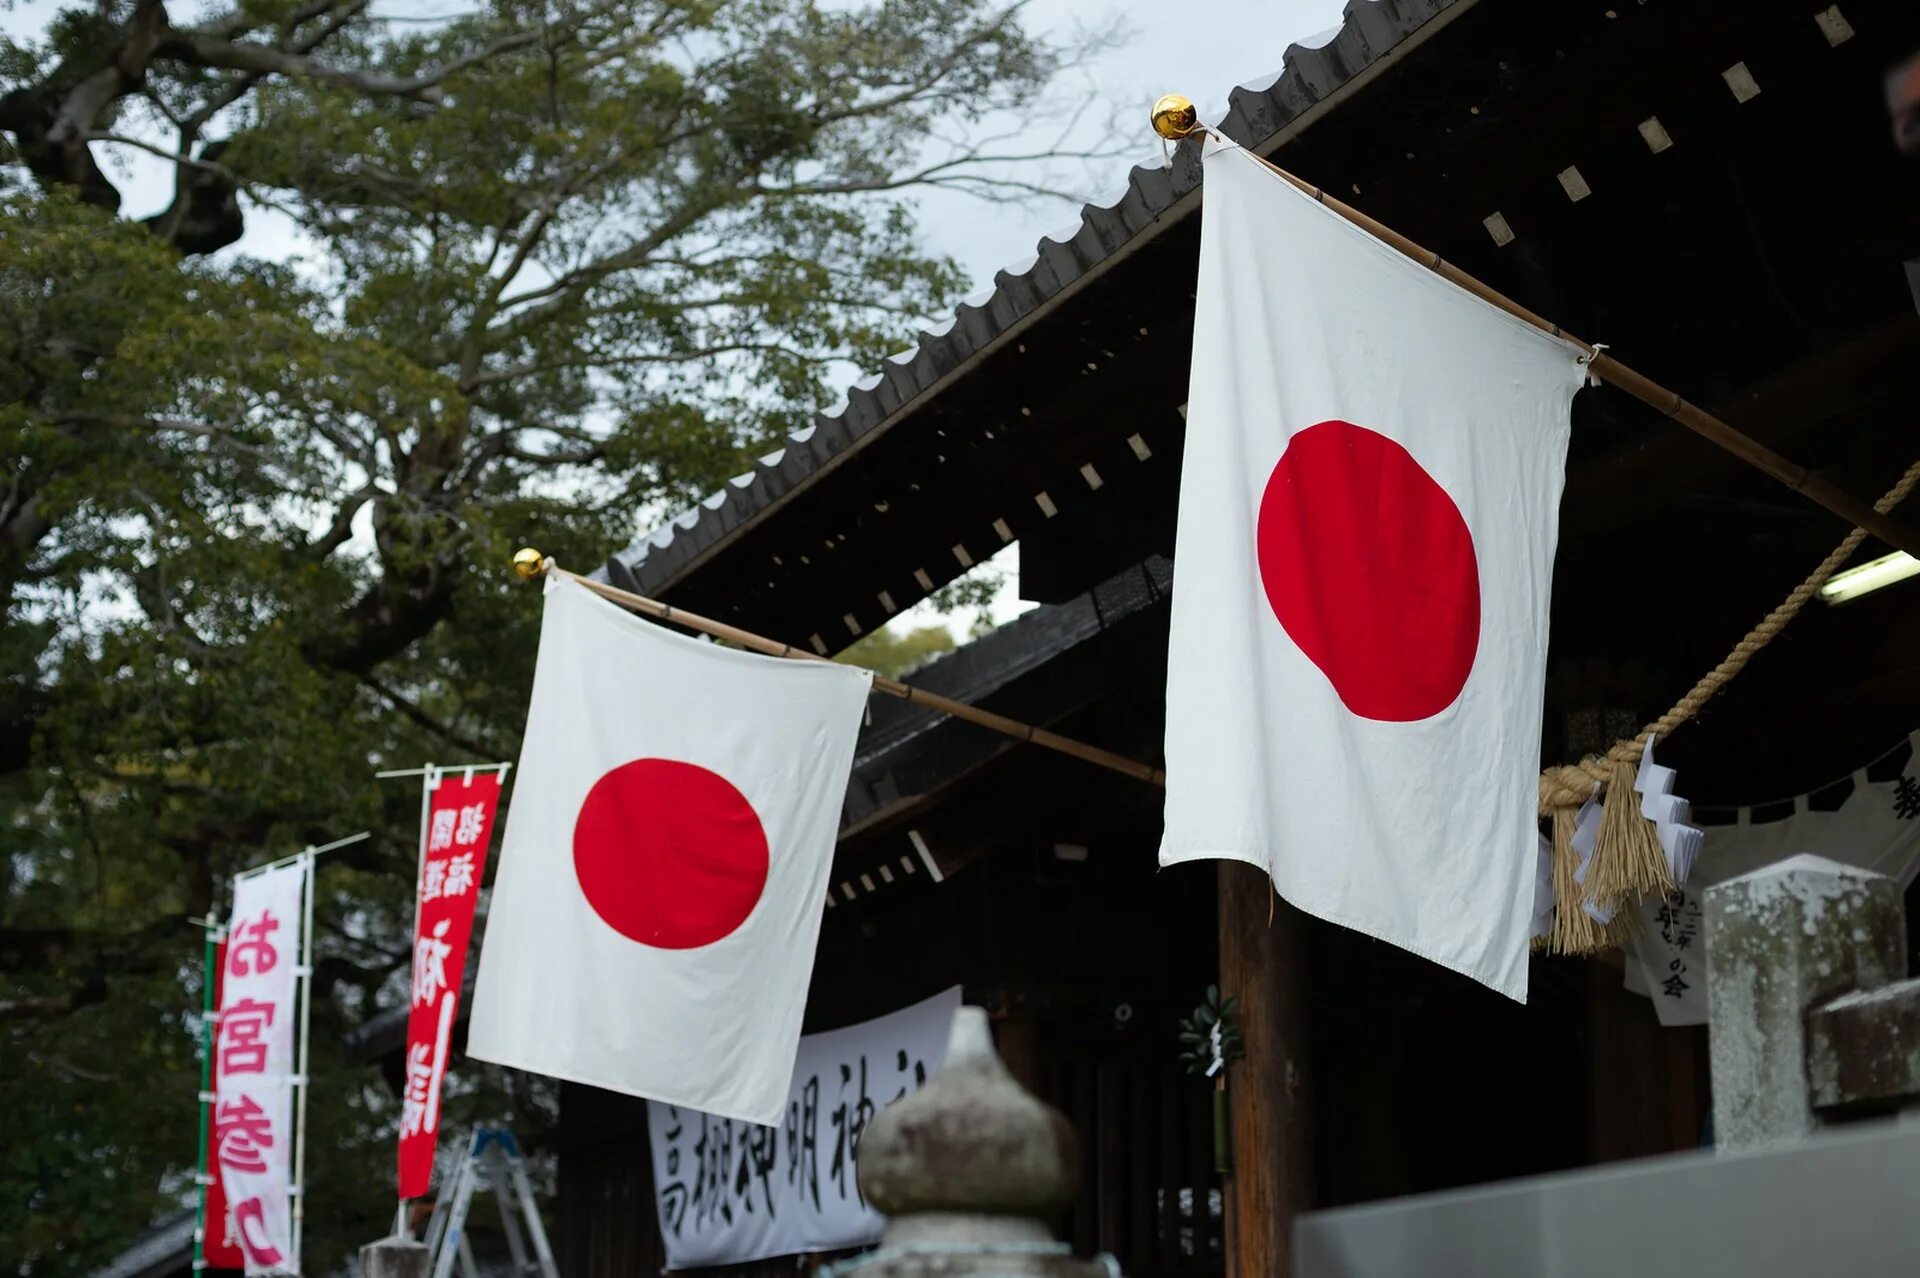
{"type": "Point", "coordinates": [207, 1043]}
{"type": "Point", "coordinates": [305, 971]}
{"type": "Point", "coordinates": [1174, 118]}
{"type": "Point", "coordinates": [429, 782]}
{"type": "Point", "coordinates": [361, 837]}
{"type": "Point", "coordinates": [529, 564]}
{"type": "Point", "coordinates": [475, 768]}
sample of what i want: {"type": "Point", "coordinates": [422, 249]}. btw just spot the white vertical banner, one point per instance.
{"type": "Point", "coordinates": [253, 1122]}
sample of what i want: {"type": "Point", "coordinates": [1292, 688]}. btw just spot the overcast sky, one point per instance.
{"type": "Point", "coordinates": [1201, 51]}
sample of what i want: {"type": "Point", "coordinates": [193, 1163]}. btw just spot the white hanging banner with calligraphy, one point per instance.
{"type": "Point", "coordinates": [730, 1192]}
{"type": "Point", "coordinates": [253, 1106]}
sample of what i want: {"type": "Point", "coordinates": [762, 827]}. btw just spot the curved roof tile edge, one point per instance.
{"type": "Point", "coordinates": [1311, 72]}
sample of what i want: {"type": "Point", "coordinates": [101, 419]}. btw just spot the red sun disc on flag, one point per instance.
{"type": "Point", "coordinates": [1370, 569]}
{"type": "Point", "coordinates": [669, 854]}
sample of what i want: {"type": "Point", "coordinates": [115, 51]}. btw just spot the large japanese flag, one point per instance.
{"type": "Point", "coordinates": [665, 863]}
{"type": "Point", "coordinates": [1373, 469]}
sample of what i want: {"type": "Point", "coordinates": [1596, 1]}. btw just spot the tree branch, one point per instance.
{"type": "Point", "coordinates": [341, 529]}
{"type": "Point", "coordinates": [596, 360]}
{"type": "Point", "coordinates": [200, 50]}
{"type": "Point", "coordinates": [217, 434]}
{"type": "Point", "coordinates": [450, 735]}
{"type": "Point", "coordinates": [34, 948]}
{"type": "Point", "coordinates": [48, 1006]}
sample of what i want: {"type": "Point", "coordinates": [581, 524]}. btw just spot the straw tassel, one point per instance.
{"type": "Point", "coordinates": [1627, 923]}
{"type": "Point", "coordinates": [1574, 930]}
{"type": "Point", "coordinates": [1627, 859]}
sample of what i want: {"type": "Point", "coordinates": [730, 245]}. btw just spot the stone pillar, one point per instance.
{"type": "Point", "coordinates": [393, 1258]}
{"type": "Point", "coordinates": [969, 1170]}
{"type": "Point", "coordinates": [1780, 942]}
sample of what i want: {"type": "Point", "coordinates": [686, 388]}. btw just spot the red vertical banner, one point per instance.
{"type": "Point", "coordinates": [220, 1248]}
{"type": "Point", "coordinates": [459, 824]}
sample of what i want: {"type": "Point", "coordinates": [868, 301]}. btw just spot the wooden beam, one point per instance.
{"type": "Point", "coordinates": [1263, 964]}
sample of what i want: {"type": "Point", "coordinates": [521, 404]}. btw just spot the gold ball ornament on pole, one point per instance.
{"type": "Point", "coordinates": [528, 563]}
{"type": "Point", "coordinates": [1174, 117]}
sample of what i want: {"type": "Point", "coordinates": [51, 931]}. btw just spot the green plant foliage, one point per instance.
{"type": "Point", "coordinates": [898, 655]}
{"type": "Point", "coordinates": [1197, 1032]}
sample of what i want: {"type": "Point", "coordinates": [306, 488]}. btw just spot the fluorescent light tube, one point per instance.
{"type": "Point", "coordinates": [1869, 577]}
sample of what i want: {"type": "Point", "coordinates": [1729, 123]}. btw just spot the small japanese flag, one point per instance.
{"type": "Point", "coordinates": [665, 863]}
{"type": "Point", "coordinates": [1368, 509]}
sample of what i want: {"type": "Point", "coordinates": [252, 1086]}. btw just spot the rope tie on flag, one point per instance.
{"type": "Point", "coordinates": [1626, 860]}
{"type": "Point", "coordinates": [1586, 361]}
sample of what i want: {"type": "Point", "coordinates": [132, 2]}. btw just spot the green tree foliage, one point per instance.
{"type": "Point", "coordinates": [898, 654]}
{"type": "Point", "coordinates": [561, 266]}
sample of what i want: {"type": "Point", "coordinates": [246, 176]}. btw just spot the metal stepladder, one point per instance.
{"type": "Point", "coordinates": [493, 1162]}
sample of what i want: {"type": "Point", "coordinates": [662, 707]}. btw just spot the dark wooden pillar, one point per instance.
{"type": "Point", "coordinates": [1646, 1088]}
{"type": "Point", "coordinates": [1016, 1037]}
{"type": "Point", "coordinates": [1264, 965]}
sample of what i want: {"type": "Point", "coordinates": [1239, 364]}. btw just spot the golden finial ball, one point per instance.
{"type": "Point", "coordinates": [1174, 117]}
{"type": "Point", "coordinates": [528, 563]}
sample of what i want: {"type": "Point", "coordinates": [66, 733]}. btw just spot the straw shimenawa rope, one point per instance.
{"type": "Point", "coordinates": [1569, 785]}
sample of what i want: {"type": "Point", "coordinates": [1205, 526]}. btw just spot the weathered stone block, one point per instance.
{"type": "Point", "coordinates": [1864, 1048]}
{"type": "Point", "coordinates": [393, 1258]}
{"type": "Point", "coordinates": [1781, 941]}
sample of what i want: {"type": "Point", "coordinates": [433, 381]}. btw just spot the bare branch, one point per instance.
{"type": "Point", "coordinates": [241, 21]}
{"type": "Point", "coordinates": [46, 1007]}
{"type": "Point", "coordinates": [238, 87]}
{"type": "Point", "coordinates": [445, 732]}
{"type": "Point", "coordinates": [240, 55]}
{"type": "Point", "coordinates": [948, 172]}
{"type": "Point", "coordinates": [180, 158]}
{"type": "Point", "coordinates": [341, 529]}
{"type": "Point", "coordinates": [598, 360]}
{"type": "Point", "coordinates": [220, 433]}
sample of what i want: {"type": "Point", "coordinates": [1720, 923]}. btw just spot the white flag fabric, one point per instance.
{"type": "Point", "coordinates": [254, 1035]}
{"type": "Point", "coordinates": [1368, 512]}
{"type": "Point", "coordinates": [665, 863]}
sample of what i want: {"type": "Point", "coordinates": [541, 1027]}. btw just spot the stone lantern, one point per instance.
{"type": "Point", "coordinates": [970, 1172]}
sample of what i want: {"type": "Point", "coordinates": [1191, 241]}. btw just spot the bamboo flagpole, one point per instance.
{"type": "Point", "coordinates": [529, 563]}
{"type": "Point", "coordinates": [1174, 117]}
